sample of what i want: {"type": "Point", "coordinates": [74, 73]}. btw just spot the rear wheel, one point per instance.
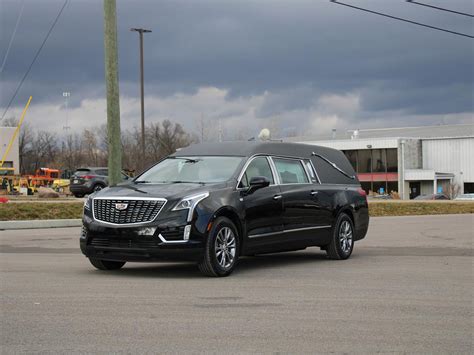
{"type": "Point", "coordinates": [222, 249]}
{"type": "Point", "coordinates": [342, 242]}
{"type": "Point", "coordinates": [106, 264]}
{"type": "Point", "coordinates": [98, 187]}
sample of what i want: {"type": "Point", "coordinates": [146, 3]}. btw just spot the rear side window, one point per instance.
{"type": "Point", "coordinates": [82, 172]}
{"type": "Point", "coordinates": [310, 170]}
{"type": "Point", "coordinates": [290, 171]}
{"type": "Point", "coordinates": [102, 172]}
{"type": "Point", "coordinates": [257, 167]}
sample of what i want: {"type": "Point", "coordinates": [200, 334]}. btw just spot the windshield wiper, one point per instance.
{"type": "Point", "coordinates": [188, 160]}
{"type": "Point", "coordinates": [142, 182]}
{"type": "Point", "coordinates": [186, 182]}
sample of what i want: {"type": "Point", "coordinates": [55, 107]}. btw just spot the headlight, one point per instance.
{"type": "Point", "coordinates": [88, 202]}
{"type": "Point", "coordinates": [189, 203]}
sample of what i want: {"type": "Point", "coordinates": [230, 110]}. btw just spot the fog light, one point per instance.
{"type": "Point", "coordinates": [147, 231]}
{"type": "Point", "coordinates": [187, 232]}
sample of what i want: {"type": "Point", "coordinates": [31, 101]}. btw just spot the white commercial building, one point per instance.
{"type": "Point", "coordinates": [12, 159]}
{"type": "Point", "coordinates": [409, 160]}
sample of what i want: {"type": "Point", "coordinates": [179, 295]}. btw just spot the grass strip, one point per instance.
{"type": "Point", "coordinates": [52, 210]}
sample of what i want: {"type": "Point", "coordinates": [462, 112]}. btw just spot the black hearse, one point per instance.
{"type": "Point", "coordinates": [213, 203]}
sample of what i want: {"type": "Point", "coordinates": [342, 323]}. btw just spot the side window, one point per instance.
{"type": "Point", "coordinates": [257, 167]}
{"type": "Point", "coordinates": [290, 171]}
{"type": "Point", "coordinates": [102, 172]}
{"type": "Point", "coordinates": [310, 170]}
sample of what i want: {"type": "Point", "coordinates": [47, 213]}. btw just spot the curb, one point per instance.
{"type": "Point", "coordinates": [35, 224]}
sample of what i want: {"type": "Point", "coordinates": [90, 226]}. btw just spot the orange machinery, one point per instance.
{"type": "Point", "coordinates": [44, 177]}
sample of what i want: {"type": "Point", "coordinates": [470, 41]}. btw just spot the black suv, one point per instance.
{"type": "Point", "coordinates": [85, 181]}
{"type": "Point", "coordinates": [213, 203]}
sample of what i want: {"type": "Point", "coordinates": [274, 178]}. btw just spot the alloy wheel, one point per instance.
{"type": "Point", "coordinates": [225, 247]}
{"type": "Point", "coordinates": [345, 236]}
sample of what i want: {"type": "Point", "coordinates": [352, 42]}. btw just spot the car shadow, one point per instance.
{"type": "Point", "coordinates": [247, 265]}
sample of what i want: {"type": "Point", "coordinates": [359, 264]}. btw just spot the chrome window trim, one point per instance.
{"type": "Point", "coordinates": [128, 199]}
{"type": "Point", "coordinates": [246, 165]}
{"type": "Point", "coordinates": [311, 166]}
{"type": "Point", "coordinates": [292, 183]}
{"type": "Point", "coordinates": [288, 231]}
{"type": "Point", "coordinates": [315, 171]}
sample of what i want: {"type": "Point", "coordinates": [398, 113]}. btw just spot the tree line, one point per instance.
{"type": "Point", "coordinates": [67, 152]}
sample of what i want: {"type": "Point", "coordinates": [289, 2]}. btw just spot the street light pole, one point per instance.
{"type": "Point", "coordinates": [66, 96]}
{"type": "Point", "coordinates": [141, 31]}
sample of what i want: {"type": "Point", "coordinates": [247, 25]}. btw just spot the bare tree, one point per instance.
{"type": "Point", "coordinates": [454, 190]}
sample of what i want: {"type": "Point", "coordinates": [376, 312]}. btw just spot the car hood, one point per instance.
{"type": "Point", "coordinates": [168, 191]}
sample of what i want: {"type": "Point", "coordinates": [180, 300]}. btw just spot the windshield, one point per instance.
{"type": "Point", "coordinates": [203, 170]}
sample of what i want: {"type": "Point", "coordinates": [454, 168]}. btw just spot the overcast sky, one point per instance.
{"type": "Point", "coordinates": [297, 66]}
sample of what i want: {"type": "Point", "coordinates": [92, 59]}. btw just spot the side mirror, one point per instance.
{"type": "Point", "coordinates": [257, 182]}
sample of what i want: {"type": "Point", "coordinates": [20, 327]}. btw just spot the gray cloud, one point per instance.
{"type": "Point", "coordinates": [295, 51]}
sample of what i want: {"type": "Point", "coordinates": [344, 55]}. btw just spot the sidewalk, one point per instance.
{"type": "Point", "coordinates": [45, 223]}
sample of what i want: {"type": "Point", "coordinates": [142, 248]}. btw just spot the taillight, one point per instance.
{"type": "Point", "coordinates": [88, 177]}
{"type": "Point", "coordinates": [362, 192]}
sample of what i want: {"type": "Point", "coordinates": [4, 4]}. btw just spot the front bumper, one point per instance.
{"type": "Point", "coordinates": [144, 243]}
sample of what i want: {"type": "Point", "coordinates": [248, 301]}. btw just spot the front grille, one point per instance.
{"type": "Point", "coordinates": [126, 243]}
{"type": "Point", "coordinates": [136, 211]}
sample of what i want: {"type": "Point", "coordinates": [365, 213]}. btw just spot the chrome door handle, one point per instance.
{"type": "Point", "coordinates": [314, 193]}
{"type": "Point", "coordinates": [277, 197]}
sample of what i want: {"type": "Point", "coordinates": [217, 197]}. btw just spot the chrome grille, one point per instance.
{"type": "Point", "coordinates": [136, 211]}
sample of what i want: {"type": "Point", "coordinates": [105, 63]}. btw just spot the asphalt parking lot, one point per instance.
{"type": "Point", "coordinates": [407, 288]}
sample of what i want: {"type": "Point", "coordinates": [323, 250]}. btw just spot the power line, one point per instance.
{"type": "Point", "coordinates": [13, 36]}
{"type": "Point", "coordinates": [34, 58]}
{"type": "Point", "coordinates": [402, 19]}
{"type": "Point", "coordinates": [439, 8]}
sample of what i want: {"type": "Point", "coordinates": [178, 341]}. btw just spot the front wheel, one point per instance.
{"type": "Point", "coordinates": [222, 249]}
{"type": "Point", "coordinates": [106, 264]}
{"type": "Point", "coordinates": [342, 242]}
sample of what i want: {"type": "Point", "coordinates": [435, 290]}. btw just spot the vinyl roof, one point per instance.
{"type": "Point", "coordinates": [246, 149]}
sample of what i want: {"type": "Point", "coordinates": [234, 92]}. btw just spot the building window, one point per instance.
{"type": "Point", "coordinates": [392, 160]}
{"type": "Point", "coordinates": [351, 155]}
{"type": "Point", "coordinates": [378, 161]}
{"type": "Point", "coordinates": [365, 161]}
{"type": "Point", "coordinates": [469, 187]}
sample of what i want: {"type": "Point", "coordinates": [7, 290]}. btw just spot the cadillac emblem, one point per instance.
{"type": "Point", "coordinates": [121, 206]}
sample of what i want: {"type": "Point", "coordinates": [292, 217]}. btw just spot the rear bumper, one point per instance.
{"type": "Point", "coordinates": [80, 189]}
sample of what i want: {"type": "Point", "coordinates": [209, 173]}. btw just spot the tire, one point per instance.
{"type": "Point", "coordinates": [342, 241]}
{"type": "Point", "coordinates": [97, 187]}
{"type": "Point", "coordinates": [221, 252]}
{"type": "Point", "coordinates": [106, 264]}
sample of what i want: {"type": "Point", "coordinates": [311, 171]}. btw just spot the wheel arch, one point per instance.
{"type": "Point", "coordinates": [347, 210]}
{"type": "Point", "coordinates": [230, 213]}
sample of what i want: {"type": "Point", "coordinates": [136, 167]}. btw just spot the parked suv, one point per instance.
{"type": "Point", "coordinates": [213, 203]}
{"type": "Point", "coordinates": [88, 180]}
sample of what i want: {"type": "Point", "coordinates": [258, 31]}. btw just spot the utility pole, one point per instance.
{"type": "Point", "coordinates": [114, 141]}
{"type": "Point", "coordinates": [141, 31]}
